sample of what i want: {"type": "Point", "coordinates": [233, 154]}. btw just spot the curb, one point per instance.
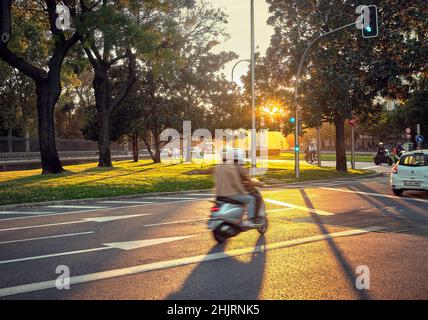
{"type": "Point", "coordinates": [183, 192]}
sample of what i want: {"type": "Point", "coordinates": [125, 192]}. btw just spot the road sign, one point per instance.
{"type": "Point", "coordinates": [408, 131]}
{"type": "Point", "coordinates": [419, 139]}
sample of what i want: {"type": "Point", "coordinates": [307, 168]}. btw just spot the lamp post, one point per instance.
{"type": "Point", "coordinates": [253, 97]}
{"type": "Point", "coordinates": [236, 64]}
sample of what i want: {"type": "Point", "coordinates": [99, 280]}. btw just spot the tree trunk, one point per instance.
{"type": "Point", "coordinates": [47, 96]}
{"type": "Point", "coordinates": [135, 147]}
{"type": "Point", "coordinates": [157, 158]}
{"type": "Point", "coordinates": [9, 140]}
{"type": "Point", "coordinates": [341, 164]}
{"type": "Point", "coordinates": [104, 139]}
{"type": "Point", "coordinates": [102, 98]}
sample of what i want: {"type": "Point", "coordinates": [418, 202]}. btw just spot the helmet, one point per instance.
{"type": "Point", "coordinates": [233, 154]}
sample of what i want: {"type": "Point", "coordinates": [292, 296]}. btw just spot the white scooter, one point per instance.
{"type": "Point", "coordinates": [227, 218]}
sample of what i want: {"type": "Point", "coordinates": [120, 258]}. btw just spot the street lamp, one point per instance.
{"type": "Point", "coordinates": [236, 64]}
{"type": "Point", "coordinates": [253, 97]}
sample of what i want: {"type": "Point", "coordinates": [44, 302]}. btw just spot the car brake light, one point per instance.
{"type": "Point", "coordinates": [395, 169]}
{"type": "Point", "coordinates": [215, 209]}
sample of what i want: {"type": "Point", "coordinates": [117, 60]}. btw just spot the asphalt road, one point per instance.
{"type": "Point", "coordinates": [160, 248]}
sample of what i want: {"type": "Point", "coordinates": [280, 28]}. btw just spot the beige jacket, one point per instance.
{"type": "Point", "coordinates": [228, 178]}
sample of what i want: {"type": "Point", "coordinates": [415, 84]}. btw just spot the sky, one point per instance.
{"type": "Point", "coordinates": [240, 32]}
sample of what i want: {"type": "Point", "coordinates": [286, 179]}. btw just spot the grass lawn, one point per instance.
{"type": "Point", "coordinates": [366, 157]}
{"type": "Point", "coordinates": [127, 178]}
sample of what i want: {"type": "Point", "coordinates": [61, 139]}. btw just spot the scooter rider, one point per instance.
{"type": "Point", "coordinates": [231, 181]}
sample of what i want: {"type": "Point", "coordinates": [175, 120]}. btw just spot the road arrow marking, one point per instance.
{"type": "Point", "coordinates": [302, 208]}
{"type": "Point", "coordinates": [129, 245]}
{"type": "Point", "coordinates": [182, 262]}
{"type": "Point", "coordinates": [96, 219]}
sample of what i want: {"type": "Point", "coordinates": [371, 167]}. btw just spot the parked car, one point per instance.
{"type": "Point", "coordinates": [411, 172]}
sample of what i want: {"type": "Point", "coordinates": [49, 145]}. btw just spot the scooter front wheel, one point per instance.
{"type": "Point", "coordinates": [219, 235]}
{"type": "Point", "coordinates": [263, 228]}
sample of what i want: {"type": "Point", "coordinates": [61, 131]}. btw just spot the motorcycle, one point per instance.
{"type": "Point", "coordinates": [227, 217]}
{"type": "Point", "coordinates": [384, 157]}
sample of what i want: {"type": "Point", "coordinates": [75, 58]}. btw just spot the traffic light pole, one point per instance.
{"type": "Point", "coordinates": [253, 97]}
{"type": "Point", "coordinates": [296, 95]}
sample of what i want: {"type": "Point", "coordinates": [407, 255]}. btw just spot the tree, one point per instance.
{"type": "Point", "coordinates": [343, 72]}
{"type": "Point", "coordinates": [178, 80]}
{"type": "Point", "coordinates": [46, 75]}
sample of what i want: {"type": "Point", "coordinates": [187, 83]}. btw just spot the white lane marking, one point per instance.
{"type": "Point", "coordinates": [180, 262]}
{"type": "Point", "coordinates": [24, 213]}
{"type": "Point", "coordinates": [302, 208]}
{"type": "Point", "coordinates": [370, 167]}
{"type": "Point", "coordinates": [95, 219]}
{"type": "Point", "coordinates": [128, 245]}
{"type": "Point", "coordinates": [75, 207]}
{"type": "Point", "coordinates": [95, 210]}
{"type": "Point", "coordinates": [377, 195]}
{"type": "Point", "coordinates": [200, 194]}
{"type": "Point", "coordinates": [279, 210]}
{"type": "Point", "coordinates": [49, 237]}
{"type": "Point", "coordinates": [174, 222]}
{"type": "Point", "coordinates": [124, 202]}
{"type": "Point", "coordinates": [170, 198]}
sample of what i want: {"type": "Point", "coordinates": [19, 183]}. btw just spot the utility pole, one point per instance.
{"type": "Point", "coordinates": [319, 145]}
{"type": "Point", "coordinates": [253, 97]}
{"type": "Point", "coordinates": [353, 147]}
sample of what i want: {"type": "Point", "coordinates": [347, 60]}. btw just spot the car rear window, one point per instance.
{"type": "Point", "coordinates": [415, 160]}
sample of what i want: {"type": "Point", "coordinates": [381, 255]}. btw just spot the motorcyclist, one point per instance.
{"type": "Point", "coordinates": [232, 181]}
{"type": "Point", "coordinates": [381, 149]}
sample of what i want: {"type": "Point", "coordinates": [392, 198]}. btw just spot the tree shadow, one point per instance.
{"type": "Point", "coordinates": [225, 279]}
{"type": "Point", "coordinates": [347, 269]}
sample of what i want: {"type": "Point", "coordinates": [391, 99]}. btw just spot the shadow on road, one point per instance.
{"type": "Point", "coordinates": [225, 279]}
{"type": "Point", "coordinates": [348, 270]}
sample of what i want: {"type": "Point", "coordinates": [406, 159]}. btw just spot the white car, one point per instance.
{"type": "Point", "coordinates": [411, 172]}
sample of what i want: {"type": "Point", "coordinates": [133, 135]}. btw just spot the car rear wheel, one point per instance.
{"type": "Point", "coordinates": [398, 192]}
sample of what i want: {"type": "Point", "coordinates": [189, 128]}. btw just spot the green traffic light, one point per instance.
{"type": "Point", "coordinates": [369, 29]}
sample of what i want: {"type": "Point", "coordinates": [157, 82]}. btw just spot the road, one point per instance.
{"type": "Point", "coordinates": [159, 247]}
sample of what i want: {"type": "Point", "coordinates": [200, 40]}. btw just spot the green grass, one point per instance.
{"type": "Point", "coordinates": [127, 178]}
{"type": "Point", "coordinates": [366, 157]}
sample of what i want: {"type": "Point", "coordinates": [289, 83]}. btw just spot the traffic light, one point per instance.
{"type": "Point", "coordinates": [292, 120]}
{"type": "Point", "coordinates": [370, 27]}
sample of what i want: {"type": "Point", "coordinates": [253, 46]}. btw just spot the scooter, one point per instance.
{"type": "Point", "coordinates": [227, 217]}
{"type": "Point", "coordinates": [385, 157]}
